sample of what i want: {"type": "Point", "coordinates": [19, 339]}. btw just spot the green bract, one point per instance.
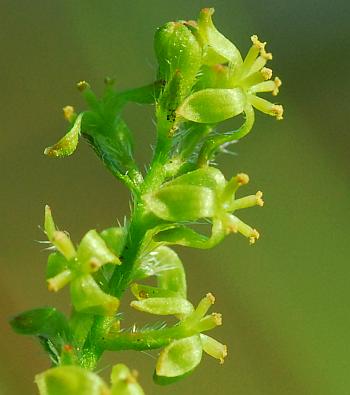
{"type": "Point", "coordinates": [202, 80]}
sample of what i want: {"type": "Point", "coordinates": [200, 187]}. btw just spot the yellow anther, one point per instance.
{"type": "Point", "coordinates": [217, 318]}
{"type": "Point", "coordinates": [259, 200]}
{"type": "Point", "coordinates": [257, 43]}
{"type": "Point", "coordinates": [266, 73]}
{"type": "Point", "coordinates": [278, 83]}
{"type": "Point", "coordinates": [224, 355]}
{"type": "Point", "coordinates": [265, 55]}
{"type": "Point", "coordinates": [277, 111]}
{"type": "Point", "coordinates": [211, 297]}
{"type": "Point", "coordinates": [52, 286]}
{"type": "Point", "coordinates": [254, 236]}
{"type": "Point", "coordinates": [242, 178]}
{"type": "Point", "coordinates": [68, 113]}
{"type": "Point", "coordinates": [82, 85]}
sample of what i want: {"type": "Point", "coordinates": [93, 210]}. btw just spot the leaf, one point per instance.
{"type": "Point", "coordinates": [68, 144]}
{"type": "Point", "coordinates": [44, 322]}
{"type": "Point", "coordinates": [213, 105]}
{"type": "Point", "coordinates": [178, 360]}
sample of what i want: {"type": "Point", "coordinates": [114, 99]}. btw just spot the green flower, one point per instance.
{"type": "Point", "coordinates": [228, 85]}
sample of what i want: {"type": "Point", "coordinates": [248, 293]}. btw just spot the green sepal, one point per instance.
{"type": "Point", "coordinates": [93, 252]}
{"type": "Point", "coordinates": [213, 105]}
{"type": "Point", "coordinates": [56, 264]}
{"type": "Point", "coordinates": [87, 297]}
{"type": "Point", "coordinates": [48, 324]}
{"type": "Point", "coordinates": [70, 380]}
{"type": "Point", "coordinates": [141, 292]}
{"type": "Point", "coordinates": [208, 176]}
{"type": "Point", "coordinates": [58, 238]}
{"type": "Point", "coordinates": [164, 306]}
{"type": "Point", "coordinates": [49, 224]}
{"type": "Point", "coordinates": [218, 49]}
{"type": "Point", "coordinates": [124, 382]}
{"type": "Point", "coordinates": [115, 239]}
{"type": "Point", "coordinates": [178, 360]}
{"type": "Point", "coordinates": [216, 76]}
{"type": "Point", "coordinates": [68, 144]}
{"type": "Point", "coordinates": [182, 203]}
{"type": "Point", "coordinates": [188, 237]}
{"type": "Point", "coordinates": [173, 278]}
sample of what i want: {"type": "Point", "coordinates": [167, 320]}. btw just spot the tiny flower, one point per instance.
{"type": "Point", "coordinates": [230, 86]}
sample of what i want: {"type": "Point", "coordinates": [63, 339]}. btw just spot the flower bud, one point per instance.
{"type": "Point", "coordinates": [177, 49]}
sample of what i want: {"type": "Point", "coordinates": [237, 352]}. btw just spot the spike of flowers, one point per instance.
{"type": "Point", "coordinates": [202, 80]}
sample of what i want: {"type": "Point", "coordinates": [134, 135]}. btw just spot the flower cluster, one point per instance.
{"type": "Point", "coordinates": [202, 80]}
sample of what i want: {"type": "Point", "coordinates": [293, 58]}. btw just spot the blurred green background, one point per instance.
{"type": "Point", "coordinates": [285, 301]}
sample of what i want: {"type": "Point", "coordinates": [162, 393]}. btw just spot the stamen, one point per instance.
{"type": "Point", "coordinates": [255, 236]}
{"type": "Point", "coordinates": [266, 73]}
{"type": "Point", "coordinates": [257, 43]}
{"type": "Point", "coordinates": [278, 83]}
{"type": "Point", "coordinates": [252, 79]}
{"type": "Point", "coordinates": [54, 284]}
{"type": "Point", "coordinates": [242, 178]}
{"type": "Point", "coordinates": [266, 106]}
{"type": "Point", "coordinates": [258, 64]}
{"type": "Point", "coordinates": [82, 85]}
{"type": "Point", "coordinates": [69, 113]}
{"type": "Point", "coordinates": [245, 202]}
{"type": "Point", "coordinates": [259, 200]}
{"type": "Point", "coordinates": [232, 186]}
{"type": "Point", "coordinates": [278, 111]}
{"type": "Point", "coordinates": [213, 348]}
{"type": "Point", "coordinates": [266, 86]}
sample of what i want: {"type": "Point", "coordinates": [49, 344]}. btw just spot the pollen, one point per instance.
{"type": "Point", "coordinates": [266, 73]}
{"type": "Point", "coordinates": [257, 43]}
{"type": "Point", "coordinates": [51, 286]}
{"type": "Point", "coordinates": [68, 113]}
{"type": "Point", "coordinates": [254, 236]}
{"type": "Point", "coordinates": [242, 178]}
{"type": "Point", "coordinates": [217, 318]}
{"type": "Point", "coordinates": [224, 355]}
{"type": "Point", "coordinates": [277, 111]}
{"type": "Point", "coordinates": [259, 200]}
{"type": "Point", "coordinates": [82, 85]}
{"type": "Point", "coordinates": [278, 83]}
{"type": "Point", "coordinates": [210, 297]}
